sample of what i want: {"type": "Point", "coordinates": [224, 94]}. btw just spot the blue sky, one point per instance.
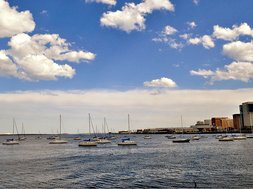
{"type": "Point", "coordinates": [112, 45]}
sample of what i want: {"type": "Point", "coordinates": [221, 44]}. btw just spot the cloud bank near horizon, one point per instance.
{"type": "Point", "coordinates": [39, 110]}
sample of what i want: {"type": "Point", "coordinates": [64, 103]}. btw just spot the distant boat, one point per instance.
{"type": "Point", "coordinates": [77, 138]}
{"type": "Point", "coordinates": [195, 138]}
{"type": "Point", "coordinates": [12, 141]}
{"type": "Point", "coordinates": [88, 142]}
{"type": "Point", "coordinates": [127, 142]}
{"type": "Point", "coordinates": [240, 137]}
{"type": "Point", "coordinates": [22, 132]}
{"type": "Point", "coordinates": [103, 141]}
{"type": "Point", "coordinates": [181, 140]}
{"type": "Point", "coordinates": [59, 141]}
{"type": "Point", "coordinates": [170, 137]}
{"type": "Point", "coordinates": [147, 137]}
{"type": "Point", "coordinates": [226, 139]}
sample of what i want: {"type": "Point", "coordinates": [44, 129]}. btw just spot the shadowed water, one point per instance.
{"type": "Point", "coordinates": [154, 163]}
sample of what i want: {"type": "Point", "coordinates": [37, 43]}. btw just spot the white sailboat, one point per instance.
{"type": "Point", "coordinates": [89, 142]}
{"type": "Point", "coordinates": [127, 141]}
{"type": "Point", "coordinates": [181, 140]}
{"type": "Point", "coordinates": [59, 141]}
{"type": "Point", "coordinates": [104, 140]}
{"type": "Point", "coordinates": [11, 141]}
{"type": "Point", "coordinates": [23, 133]}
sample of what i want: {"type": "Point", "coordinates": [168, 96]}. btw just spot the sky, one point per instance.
{"type": "Point", "coordinates": [153, 59]}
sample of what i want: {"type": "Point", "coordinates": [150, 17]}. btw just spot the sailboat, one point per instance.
{"type": "Point", "coordinates": [78, 137]}
{"type": "Point", "coordinates": [59, 141]}
{"type": "Point", "coordinates": [88, 142]}
{"type": "Point", "coordinates": [23, 132]}
{"type": "Point", "coordinates": [11, 141]}
{"type": "Point", "coordinates": [104, 140]}
{"type": "Point", "coordinates": [226, 138]}
{"type": "Point", "coordinates": [127, 141]}
{"type": "Point", "coordinates": [181, 140]}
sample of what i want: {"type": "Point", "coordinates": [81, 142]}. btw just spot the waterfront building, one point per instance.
{"type": "Point", "coordinates": [203, 126]}
{"type": "Point", "coordinates": [246, 111]}
{"type": "Point", "coordinates": [222, 123]}
{"type": "Point", "coordinates": [237, 122]}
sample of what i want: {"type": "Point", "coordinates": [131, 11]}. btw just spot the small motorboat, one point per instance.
{"type": "Point", "coordinates": [181, 140]}
{"type": "Point", "coordinates": [226, 139]}
{"type": "Point", "coordinates": [127, 142]}
{"type": "Point", "coordinates": [10, 142]}
{"type": "Point", "coordinates": [170, 137]}
{"type": "Point", "coordinates": [195, 138]}
{"type": "Point", "coordinates": [88, 143]}
{"type": "Point", "coordinates": [147, 137]}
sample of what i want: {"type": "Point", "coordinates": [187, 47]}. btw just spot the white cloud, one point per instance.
{"type": "Point", "coordinates": [169, 30]}
{"type": "Point", "coordinates": [39, 67]}
{"type": "Point", "coordinates": [205, 40]}
{"type": "Point", "coordinates": [163, 82]}
{"type": "Point", "coordinates": [39, 110]}
{"type": "Point", "coordinates": [108, 2]}
{"type": "Point", "coordinates": [196, 2]}
{"type": "Point", "coordinates": [192, 25]}
{"type": "Point", "coordinates": [239, 51]}
{"type": "Point", "coordinates": [132, 16]}
{"type": "Point", "coordinates": [13, 22]}
{"type": "Point", "coordinates": [7, 68]}
{"type": "Point", "coordinates": [44, 12]}
{"type": "Point", "coordinates": [185, 36]}
{"type": "Point", "coordinates": [33, 57]}
{"type": "Point", "coordinates": [202, 72]}
{"type": "Point", "coordinates": [232, 34]}
{"type": "Point", "coordinates": [241, 71]}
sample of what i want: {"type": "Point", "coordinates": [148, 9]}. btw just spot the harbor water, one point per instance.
{"type": "Point", "coordinates": [153, 163]}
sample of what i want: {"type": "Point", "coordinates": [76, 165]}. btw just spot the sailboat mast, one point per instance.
{"type": "Point", "coordinates": [182, 124]}
{"type": "Point", "coordinates": [13, 127]}
{"type": "Point", "coordinates": [60, 126]}
{"type": "Point", "coordinates": [89, 123]}
{"type": "Point", "coordinates": [128, 124]}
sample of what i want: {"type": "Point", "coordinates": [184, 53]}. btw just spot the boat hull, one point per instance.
{"type": "Point", "coordinates": [11, 143]}
{"type": "Point", "coordinates": [226, 139]}
{"type": "Point", "coordinates": [181, 141]}
{"type": "Point", "coordinates": [58, 142]}
{"type": "Point", "coordinates": [127, 143]}
{"type": "Point", "coordinates": [87, 144]}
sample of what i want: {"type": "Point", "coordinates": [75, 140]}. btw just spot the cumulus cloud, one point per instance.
{"type": "Point", "coordinates": [39, 110]}
{"type": "Point", "coordinates": [163, 82]}
{"type": "Point", "coordinates": [196, 2]}
{"type": "Point", "coordinates": [205, 40]}
{"type": "Point", "coordinates": [132, 16]}
{"type": "Point", "coordinates": [7, 68]}
{"type": "Point", "coordinates": [232, 34]}
{"type": "Point", "coordinates": [108, 2]}
{"type": "Point", "coordinates": [192, 25]}
{"type": "Point", "coordinates": [242, 71]}
{"type": "Point", "coordinates": [240, 51]}
{"type": "Point", "coordinates": [202, 72]}
{"type": "Point", "coordinates": [169, 30]}
{"type": "Point", "coordinates": [34, 57]}
{"type": "Point", "coordinates": [13, 22]}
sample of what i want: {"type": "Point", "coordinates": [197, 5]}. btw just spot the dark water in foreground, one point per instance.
{"type": "Point", "coordinates": [154, 163]}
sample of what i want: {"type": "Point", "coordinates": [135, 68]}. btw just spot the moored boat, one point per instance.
{"type": "Point", "coordinates": [10, 142]}
{"type": "Point", "coordinates": [181, 140]}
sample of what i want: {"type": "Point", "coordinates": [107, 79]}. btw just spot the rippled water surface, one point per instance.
{"type": "Point", "coordinates": [154, 163]}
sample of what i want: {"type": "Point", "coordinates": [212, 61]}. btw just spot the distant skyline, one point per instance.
{"type": "Point", "coordinates": [153, 59]}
